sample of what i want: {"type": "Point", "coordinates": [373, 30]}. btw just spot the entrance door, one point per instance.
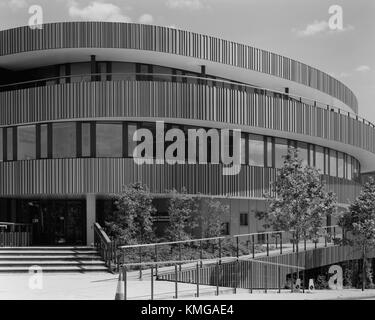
{"type": "Point", "coordinates": [58, 222]}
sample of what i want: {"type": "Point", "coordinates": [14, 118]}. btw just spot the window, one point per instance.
{"type": "Point", "coordinates": [333, 163]}
{"type": "Point", "coordinates": [303, 152]}
{"type": "Point", "coordinates": [319, 159]}
{"type": "Point", "coordinates": [80, 72]}
{"type": "Point", "coordinates": [64, 140]}
{"type": "Point", "coordinates": [244, 219]}
{"type": "Point", "coordinates": [326, 157]}
{"type": "Point", "coordinates": [10, 144]}
{"type": "Point", "coordinates": [340, 164]}
{"type": "Point", "coordinates": [281, 150]}
{"type": "Point", "coordinates": [349, 167]}
{"type": "Point", "coordinates": [125, 70]}
{"type": "Point", "coordinates": [226, 228]}
{"type": "Point", "coordinates": [311, 155]}
{"type": "Point", "coordinates": [43, 141]}
{"type": "Point", "coordinates": [132, 128]}
{"type": "Point", "coordinates": [86, 139]}
{"type": "Point", "coordinates": [256, 150]}
{"type": "Point", "coordinates": [162, 73]}
{"type": "Point", "coordinates": [109, 140]}
{"type": "Point", "coordinates": [243, 150]}
{"type": "Point", "coordinates": [1, 144]}
{"type": "Point", "coordinates": [26, 143]}
{"type": "Point", "coordinates": [269, 152]}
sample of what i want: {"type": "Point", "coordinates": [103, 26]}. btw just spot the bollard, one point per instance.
{"type": "Point", "coordinates": [268, 247]}
{"type": "Point", "coordinates": [279, 278]}
{"type": "Point", "coordinates": [179, 255]}
{"type": "Point", "coordinates": [236, 277]}
{"type": "Point", "coordinates": [201, 252]}
{"type": "Point", "coordinates": [152, 282]}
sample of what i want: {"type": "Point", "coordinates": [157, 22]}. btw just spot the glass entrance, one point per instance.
{"type": "Point", "coordinates": [56, 222]}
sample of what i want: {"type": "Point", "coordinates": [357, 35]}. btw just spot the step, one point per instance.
{"type": "Point", "coordinates": [56, 248]}
{"type": "Point", "coordinates": [42, 263]}
{"type": "Point", "coordinates": [50, 257]}
{"type": "Point", "coordinates": [56, 269]}
{"type": "Point", "coordinates": [48, 252]}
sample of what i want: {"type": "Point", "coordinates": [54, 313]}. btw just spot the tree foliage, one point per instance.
{"type": "Point", "coordinates": [183, 215]}
{"type": "Point", "coordinates": [299, 201]}
{"type": "Point", "coordinates": [360, 218]}
{"type": "Point", "coordinates": [132, 222]}
{"type": "Point", "coordinates": [212, 222]}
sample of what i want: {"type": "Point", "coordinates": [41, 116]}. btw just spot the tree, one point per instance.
{"type": "Point", "coordinates": [212, 223]}
{"type": "Point", "coordinates": [359, 220]}
{"type": "Point", "coordinates": [182, 210]}
{"type": "Point", "coordinates": [299, 201]}
{"type": "Point", "coordinates": [132, 222]}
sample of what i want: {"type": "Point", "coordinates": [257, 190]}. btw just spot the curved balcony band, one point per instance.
{"type": "Point", "coordinates": [174, 45]}
{"type": "Point", "coordinates": [195, 104]}
{"type": "Point", "coordinates": [75, 177]}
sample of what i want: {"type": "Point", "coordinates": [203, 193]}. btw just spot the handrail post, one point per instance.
{"type": "Point", "coordinates": [124, 270]}
{"type": "Point", "coordinates": [265, 278]}
{"type": "Point", "coordinates": [279, 278]}
{"type": "Point", "coordinates": [175, 282]}
{"type": "Point", "coordinates": [201, 253]}
{"type": "Point", "coordinates": [268, 247]}
{"type": "Point", "coordinates": [237, 248]}
{"type": "Point", "coordinates": [197, 279]}
{"type": "Point", "coordinates": [220, 250]}
{"type": "Point", "coordinates": [293, 241]}
{"type": "Point", "coordinates": [156, 260]}
{"type": "Point", "coordinates": [217, 278]}
{"type": "Point", "coordinates": [152, 282]}
{"type": "Point", "coordinates": [140, 261]}
{"type": "Point", "coordinates": [236, 276]}
{"type": "Point", "coordinates": [179, 254]}
{"type": "Point", "coordinates": [253, 243]}
{"type": "Point", "coordinates": [251, 276]}
{"type": "Point", "coordinates": [281, 243]}
{"type": "Point", "coordinates": [304, 241]}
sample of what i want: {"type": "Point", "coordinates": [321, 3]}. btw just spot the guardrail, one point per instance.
{"type": "Point", "coordinates": [231, 272]}
{"type": "Point", "coordinates": [15, 234]}
{"type": "Point", "coordinates": [252, 244]}
{"type": "Point", "coordinates": [104, 245]}
{"type": "Point", "coordinates": [150, 77]}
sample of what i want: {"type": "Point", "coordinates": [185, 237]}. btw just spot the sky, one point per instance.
{"type": "Point", "coordinates": [298, 29]}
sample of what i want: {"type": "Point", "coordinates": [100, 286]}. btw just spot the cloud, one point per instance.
{"type": "Point", "coordinates": [363, 68]}
{"type": "Point", "coordinates": [98, 11]}
{"type": "Point", "coordinates": [146, 19]}
{"type": "Point", "coordinates": [185, 4]}
{"type": "Point", "coordinates": [14, 4]}
{"type": "Point", "coordinates": [319, 27]}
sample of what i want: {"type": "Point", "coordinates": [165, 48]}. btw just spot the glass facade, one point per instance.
{"type": "Point", "coordinates": [64, 140]}
{"type": "Point", "coordinates": [26, 143]}
{"type": "Point", "coordinates": [109, 140]}
{"type": "Point", "coordinates": [115, 139]}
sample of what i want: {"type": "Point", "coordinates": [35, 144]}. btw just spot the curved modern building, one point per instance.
{"type": "Point", "coordinates": [73, 94]}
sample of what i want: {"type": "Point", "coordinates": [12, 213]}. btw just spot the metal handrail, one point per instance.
{"type": "Point", "coordinates": [214, 238]}
{"type": "Point", "coordinates": [205, 79]}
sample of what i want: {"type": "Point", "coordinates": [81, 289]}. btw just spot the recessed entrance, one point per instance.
{"type": "Point", "coordinates": [54, 222]}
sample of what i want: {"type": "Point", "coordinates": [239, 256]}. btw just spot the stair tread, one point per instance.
{"type": "Point", "coordinates": [49, 257]}
{"type": "Point", "coordinates": [60, 268]}
{"type": "Point", "coordinates": [46, 252]}
{"type": "Point", "coordinates": [49, 248]}
{"type": "Point", "coordinates": [40, 262]}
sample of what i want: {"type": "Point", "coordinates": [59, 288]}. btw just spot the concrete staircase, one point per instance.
{"type": "Point", "coordinates": [51, 259]}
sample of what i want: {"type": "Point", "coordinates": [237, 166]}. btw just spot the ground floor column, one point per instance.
{"type": "Point", "coordinates": [90, 218]}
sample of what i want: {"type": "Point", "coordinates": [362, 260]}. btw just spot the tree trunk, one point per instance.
{"type": "Point", "coordinates": [363, 267]}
